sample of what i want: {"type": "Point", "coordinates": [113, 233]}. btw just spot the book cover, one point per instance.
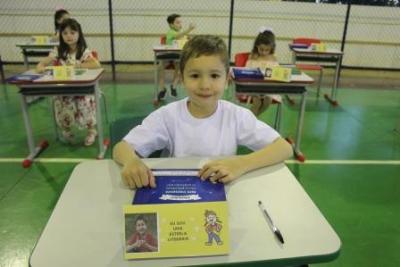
{"type": "Point", "coordinates": [281, 74]}
{"type": "Point", "coordinates": [247, 73]}
{"type": "Point", "coordinates": [174, 186]}
{"type": "Point", "coordinates": [185, 218]}
{"type": "Point", "coordinates": [23, 78]}
{"type": "Point", "coordinates": [318, 47]}
{"type": "Point", "coordinates": [299, 45]}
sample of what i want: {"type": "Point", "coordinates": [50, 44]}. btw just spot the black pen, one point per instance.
{"type": "Point", "coordinates": [271, 223]}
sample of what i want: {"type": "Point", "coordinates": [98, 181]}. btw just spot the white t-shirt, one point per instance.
{"type": "Point", "coordinates": [174, 129]}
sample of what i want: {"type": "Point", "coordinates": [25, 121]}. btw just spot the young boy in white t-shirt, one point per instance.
{"type": "Point", "coordinates": [202, 124]}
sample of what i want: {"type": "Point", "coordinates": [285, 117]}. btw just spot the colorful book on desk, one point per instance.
{"type": "Point", "coordinates": [183, 217]}
{"type": "Point", "coordinates": [247, 73]}
{"type": "Point", "coordinates": [280, 73]}
{"type": "Point", "coordinates": [299, 45]}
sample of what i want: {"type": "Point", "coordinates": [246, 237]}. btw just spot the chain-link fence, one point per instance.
{"type": "Point", "coordinates": [373, 38]}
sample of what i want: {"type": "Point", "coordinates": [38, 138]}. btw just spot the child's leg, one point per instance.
{"type": "Point", "coordinates": [64, 112]}
{"type": "Point", "coordinates": [86, 117]}
{"type": "Point", "coordinates": [267, 100]}
{"type": "Point", "coordinates": [161, 78]}
{"type": "Point", "coordinates": [175, 81]}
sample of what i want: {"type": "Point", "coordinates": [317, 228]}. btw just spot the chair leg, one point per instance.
{"type": "Point", "coordinates": [319, 81]}
{"type": "Point", "coordinates": [3, 78]}
{"type": "Point", "coordinates": [105, 105]}
{"type": "Point", "coordinates": [278, 117]}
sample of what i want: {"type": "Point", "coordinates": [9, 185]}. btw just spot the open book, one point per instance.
{"type": "Point", "coordinates": [182, 216]}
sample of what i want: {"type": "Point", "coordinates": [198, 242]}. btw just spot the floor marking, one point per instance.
{"type": "Point", "coordinates": [348, 162]}
{"type": "Point", "coordinates": [310, 161]}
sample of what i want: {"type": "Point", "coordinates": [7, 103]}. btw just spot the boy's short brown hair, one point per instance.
{"type": "Point", "coordinates": [171, 18]}
{"type": "Point", "coordinates": [204, 45]}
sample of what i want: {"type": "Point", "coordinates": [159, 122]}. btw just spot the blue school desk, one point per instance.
{"type": "Point", "coordinates": [35, 50]}
{"type": "Point", "coordinates": [329, 56]}
{"type": "Point", "coordinates": [86, 227]}
{"type": "Point", "coordinates": [297, 85]}
{"type": "Point", "coordinates": [86, 83]}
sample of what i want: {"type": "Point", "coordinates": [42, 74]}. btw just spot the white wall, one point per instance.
{"type": "Point", "coordinates": [373, 34]}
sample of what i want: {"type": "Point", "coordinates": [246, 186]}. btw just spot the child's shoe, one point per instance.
{"type": "Point", "coordinates": [161, 94]}
{"type": "Point", "coordinates": [91, 137]}
{"type": "Point", "coordinates": [174, 93]}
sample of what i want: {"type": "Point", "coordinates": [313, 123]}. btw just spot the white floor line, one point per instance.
{"type": "Point", "coordinates": [310, 161]}
{"type": "Point", "coordinates": [349, 162]}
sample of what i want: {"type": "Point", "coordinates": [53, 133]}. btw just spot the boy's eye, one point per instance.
{"type": "Point", "coordinates": [215, 75]}
{"type": "Point", "coordinates": [194, 76]}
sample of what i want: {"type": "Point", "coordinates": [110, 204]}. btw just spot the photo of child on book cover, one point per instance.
{"type": "Point", "coordinates": [141, 232]}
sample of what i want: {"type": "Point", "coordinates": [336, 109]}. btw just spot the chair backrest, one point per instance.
{"type": "Point", "coordinates": [95, 54]}
{"type": "Point", "coordinates": [305, 40]}
{"type": "Point", "coordinates": [241, 59]}
{"type": "Point", "coordinates": [163, 40]}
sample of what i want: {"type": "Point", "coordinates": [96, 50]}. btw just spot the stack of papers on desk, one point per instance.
{"type": "Point", "coordinates": [184, 216]}
{"type": "Point", "coordinates": [23, 78]}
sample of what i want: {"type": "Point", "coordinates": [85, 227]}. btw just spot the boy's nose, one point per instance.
{"type": "Point", "coordinates": [205, 84]}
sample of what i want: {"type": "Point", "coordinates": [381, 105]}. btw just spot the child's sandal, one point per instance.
{"type": "Point", "coordinates": [91, 137]}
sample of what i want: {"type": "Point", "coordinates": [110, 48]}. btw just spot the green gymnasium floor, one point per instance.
{"type": "Point", "coordinates": [352, 171]}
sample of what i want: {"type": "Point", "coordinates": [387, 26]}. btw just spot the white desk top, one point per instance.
{"type": "Point", "coordinates": [329, 51]}
{"type": "Point", "coordinates": [166, 48]}
{"type": "Point", "coordinates": [296, 79]}
{"type": "Point", "coordinates": [90, 76]}
{"type": "Point", "coordinates": [86, 226]}
{"type": "Point", "coordinates": [50, 45]}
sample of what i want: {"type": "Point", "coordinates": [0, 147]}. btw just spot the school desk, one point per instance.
{"type": "Point", "coordinates": [297, 85]}
{"type": "Point", "coordinates": [331, 55]}
{"type": "Point", "coordinates": [86, 83]}
{"type": "Point", "coordinates": [163, 53]}
{"type": "Point", "coordinates": [35, 50]}
{"type": "Point", "coordinates": [86, 226]}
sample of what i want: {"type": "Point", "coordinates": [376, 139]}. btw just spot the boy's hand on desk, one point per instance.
{"type": "Point", "coordinates": [136, 174]}
{"type": "Point", "coordinates": [224, 170]}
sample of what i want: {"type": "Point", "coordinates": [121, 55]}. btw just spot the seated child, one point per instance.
{"type": "Point", "coordinates": [201, 125]}
{"type": "Point", "coordinates": [59, 16]}
{"type": "Point", "coordinates": [73, 111]}
{"type": "Point", "coordinates": [174, 33]}
{"type": "Point", "coordinates": [262, 56]}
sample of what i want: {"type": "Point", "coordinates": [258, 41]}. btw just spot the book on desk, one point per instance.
{"type": "Point", "coordinates": [184, 217]}
{"type": "Point", "coordinates": [269, 73]}
{"type": "Point", "coordinates": [23, 78]}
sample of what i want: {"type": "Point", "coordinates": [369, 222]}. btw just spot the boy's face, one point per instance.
{"type": "Point", "coordinates": [177, 25]}
{"type": "Point", "coordinates": [204, 79]}
{"type": "Point", "coordinates": [141, 227]}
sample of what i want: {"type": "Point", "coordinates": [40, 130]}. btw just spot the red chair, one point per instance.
{"type": "Point", "coordinates": [310, 67]}
{"type": "Point", "coordinates": [163, 40]}
{"type": "Point", "coordinates": [240, 61]}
